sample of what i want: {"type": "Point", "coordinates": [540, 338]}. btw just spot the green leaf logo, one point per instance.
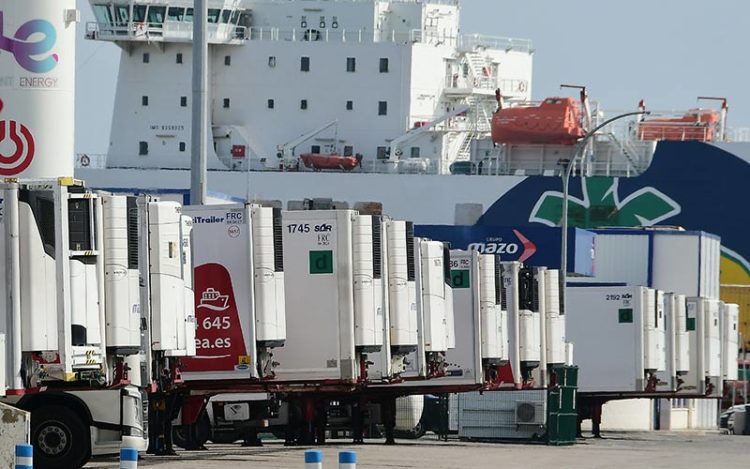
{"type": "Point", "coordinates": [601, 206]}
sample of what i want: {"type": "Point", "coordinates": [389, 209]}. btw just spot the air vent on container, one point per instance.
{"type": "Point", "coordinates": [132, 220]}
{"type": "Point", "coordinates": [377, 248]}
{"type": "Point", "coordinates": [499, 300]}
{"type": "Point", "coordinates": [411, 274]}
{"type": "Point", "coordinates": [278, 247]}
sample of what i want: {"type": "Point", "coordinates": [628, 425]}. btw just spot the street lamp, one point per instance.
{"type": "Point", "coordinates": [567, 170]}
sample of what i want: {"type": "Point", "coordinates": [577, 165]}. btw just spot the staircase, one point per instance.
{"type": "Point", "coordinates": [477, 65]}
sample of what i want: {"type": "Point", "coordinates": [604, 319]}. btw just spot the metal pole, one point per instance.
{"type": "Point", "coordinates": [567, 170]}
{"type": "Point", "coordinates": [199, 140]}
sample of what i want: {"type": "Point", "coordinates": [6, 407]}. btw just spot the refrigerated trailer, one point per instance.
{"type": "Point", "coordinates": [76, 312]}
{"type": "Point", "coordinates": [704, 336]}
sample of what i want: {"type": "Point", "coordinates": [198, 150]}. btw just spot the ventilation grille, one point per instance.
{"type": "Point", "coordinates": [410, 272]}
{"type": "Point", "coordinates": [377, 248]}
{"type": "Point", "coordinates": [447, 264]}
{"type": "Point", "coordinates": [278, 246]}
{"type": "Point", "coordinates": [501, 281]}
{"type": "Point", "coordinates": [527, 290]}
{"type": "Point", "coordinates": [132, 220]}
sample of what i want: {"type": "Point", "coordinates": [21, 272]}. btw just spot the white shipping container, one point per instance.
{"type": "Point", "coordinates": [510, 273]}
{"type": "Point", "coordinates": [492, 345]}
{"type": "Point", "coordinates": [683, 262]}
{"type": "Point", "coordinates": [608, 326]}
{"type": "Point", "coordinates": [678, 307]}
{"type": "Point", "coordinates": [268, 275]}
{"type": "Point", "coordinates": [555, 322]}
{"type": "Point", "coordinates": [667, 377]}
{"type": "Point", "coordinates": [401, 286]}
{"type": "Point", "coordinates": [531, 305]}
{"type": "Point", "coordinates": [433, 296]}
{"type": "Point", "coordinates": [319, 284]}
{"type": "Point", "coordinates": [729, 340]}
{"type": "Point", "coordinates": [705, 346]}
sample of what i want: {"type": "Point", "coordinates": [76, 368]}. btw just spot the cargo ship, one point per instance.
{"type": "Point", "coordinates": [419, 127]}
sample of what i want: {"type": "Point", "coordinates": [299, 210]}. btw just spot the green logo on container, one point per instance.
{"type": "Point", "coordinates": [625, 316]}
{"type": "Point", "coordinates": [460, 279]}
{"type": "Point", "coordinates": [321, 262]}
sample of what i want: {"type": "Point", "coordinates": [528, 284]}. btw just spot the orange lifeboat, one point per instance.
{"type": "Point", "coordinates": [554, 121]}
{"type": "Point", "coordinates": [696, 124]}
{"type": "Point", "coordinates": [319, 161]}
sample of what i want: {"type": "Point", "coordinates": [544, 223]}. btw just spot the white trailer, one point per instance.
{"type": "Point", "coordinates": [669, 378]}
{"type": "Point", "coordinates": [75, 314]}
{"type": "Point", "coordinates": [704, 335]}
{"type": "Point", "coordinates": [239, 284]}
{"type": "Point", "coordinates": [729, 341]}
{"type": "Point", "coordinates": [615, 331]}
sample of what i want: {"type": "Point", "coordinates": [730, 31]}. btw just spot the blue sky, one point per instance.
{"type": "Point", "coordinates": [667, 52]}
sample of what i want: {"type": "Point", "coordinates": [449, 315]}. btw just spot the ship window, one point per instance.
{"type": "Point", "coordinates": [382, 108]}
{"type": "Point", "coordinates": [146, 57]}
{"type": "Point", "coordinates": [227, 60]}
{"type": "Point", "coordinates": [305, 64]}
{"type": "Point", "coordinates": [213, 15]}
{"type": "Point", "coordinates": [144, 100]}
{"type": "Point", "coordinates": [272, 61]}
{"type": "Point", "coordinates": [225, 15]}
{"type": "Point", "coordinates": [335, 22]}
{"type": "Point", "coordinates": [303, 22]}
{"type": "Point", "coordinates": [303, 104]}
{"type": "Point", "coordinates": [178, 58]}
{"type": "Point", "coordinates": [156, 14]}
{"type": "Point", "coordinates": [414, 152]}
{"type": "Point", "coordinates": [103, 14]}
{"type": "Point", "coordinates": [271, 104]}
{"type": "Point", "coordinates": [183, 101]}
{"type": "Point", "coordinates": [182, 146]}
{"type": "Point", "coordinates": [322, 22]}
{"type": "Point", "coordinates": [351, 64]}
{"type": "Point", "coordinates": [189, 15]}
{"type": "Point", "coordinates": [226, 103]}
{"type": "Point", "coordinates": [382, 154]}
{"type": "Point", "coordinates": [122, 14]}
{"type": "Point", "coordinates": [142, 148]}
{"type": "Point", "coordinates": [175, 14]}
{"type": "Point", "coordinates": [315, 149]}
{"type": "Point", "coordinates": [383, 65]}
{"type": "Point", "coordinates": [139, 13]}
{"type": "Point", "coordinates": [235, 17]}
{"type": "Point", "coordinates": [350, 105]}
{"type": "Point", "coordinates": [348, 150]}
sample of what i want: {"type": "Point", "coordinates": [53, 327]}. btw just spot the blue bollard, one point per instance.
{"type": "Point", "coordinates": [313, 459]}
{"type": "Point", "coordinates": [128, 458]}
{"type": "Point", "coordinates": [347, 460]}
{"type": "Point", "coordinates": [24, 457]}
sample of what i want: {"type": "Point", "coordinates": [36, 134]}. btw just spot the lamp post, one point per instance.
{"type": "Point", "coordinates": [567, 170]}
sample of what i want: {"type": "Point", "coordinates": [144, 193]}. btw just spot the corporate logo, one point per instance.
{"type": "Point", "coordinates": [18, 138]}
{"type": "Point", "coordinates": [499, 246]}
{"type": "Point", "coordinates": [31, 45]}
{"type": "Point", "coordinates": [601, 206]}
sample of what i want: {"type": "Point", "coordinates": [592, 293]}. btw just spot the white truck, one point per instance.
{"type": "Point", "coordinates": [92, 285]}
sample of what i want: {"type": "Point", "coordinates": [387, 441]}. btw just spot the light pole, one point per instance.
{"type": "Point", "coordinates": [567, 170]}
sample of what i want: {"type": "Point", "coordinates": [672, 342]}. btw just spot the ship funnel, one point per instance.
{"type": "Point", "coordinates": [37, 88]}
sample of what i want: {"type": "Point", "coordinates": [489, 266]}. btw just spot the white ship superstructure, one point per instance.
{"type": "Point", "coordinates": [384, 70]}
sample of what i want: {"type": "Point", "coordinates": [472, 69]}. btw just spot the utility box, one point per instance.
{"type": "Point", "coordinates": [615, 331]}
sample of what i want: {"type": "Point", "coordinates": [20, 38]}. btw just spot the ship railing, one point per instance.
{"type": "Point", "coordinates": [167, 31]}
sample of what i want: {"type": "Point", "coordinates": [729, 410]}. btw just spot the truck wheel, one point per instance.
{"type": "Point", "coordinates": [193, 437]}
{"type": "Point", "coordinates": [60, 438]}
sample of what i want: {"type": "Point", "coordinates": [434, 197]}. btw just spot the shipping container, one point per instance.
{"type": "Point", "coordinates": [729, 341]}
{"type": "Point", "coordinates": [704, 335]}
{"type": "Point", "coordinates": [616, 334]}
{"type": "Point", "coordinates": [239, 291]}
{"type": "Point", "coordinates": [672, 260]}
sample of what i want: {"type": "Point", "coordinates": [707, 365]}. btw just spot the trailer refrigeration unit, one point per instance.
{"type": "Point", "coordinates": [704, 335]}
{"type": "Point", "coordinates": [616, 331]}
{"type": "Point", "coordinates": [729, 341]}
{"type": "Point", "coordinates": [676, 343]}
{"type": "Point", "coordinates": [77, 314]}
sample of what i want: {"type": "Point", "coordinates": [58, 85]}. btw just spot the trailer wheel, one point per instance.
{"type": "Point", "coordinates": [193, 437]}
{"type": "Point", "coordinates": [60, 438]}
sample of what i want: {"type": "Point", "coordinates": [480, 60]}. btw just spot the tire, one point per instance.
{"type": "Point", "coordinates": [192, 437]}
{"type": "Point", "coordinates": [60, 438]}
{"type": "Point", "coordinates": [413, 434]}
